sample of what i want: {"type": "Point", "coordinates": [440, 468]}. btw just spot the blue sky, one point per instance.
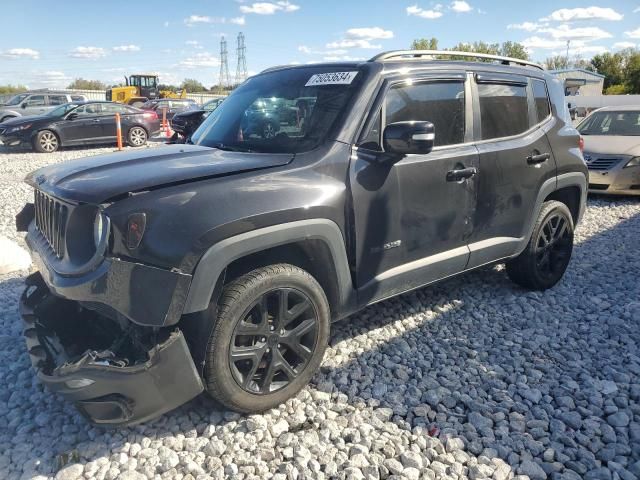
{"type": "Point", "coordinates": [47, 44]}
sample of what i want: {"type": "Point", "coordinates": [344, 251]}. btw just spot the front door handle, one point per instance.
{"type": "Point", "coordinates": [461, 174]}
{"type": "Point", "coordinates": [534, 159]}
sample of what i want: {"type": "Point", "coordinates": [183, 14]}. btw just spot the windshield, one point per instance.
{"type": "Point", "coordinates": [62, 109]}
{"type": "Point", "coordinates": [286, 111]}
{"type": "Point", "coordinates": [17, 99]}
{"type": "Point", "coordinates": [621, 123]}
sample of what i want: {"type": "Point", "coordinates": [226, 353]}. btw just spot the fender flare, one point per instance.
{"type": "Point", "coordinates": [216, 259]}
{"type": "Point", "coordinates": [571, 179]}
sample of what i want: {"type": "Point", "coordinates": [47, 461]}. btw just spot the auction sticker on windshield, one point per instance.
{"type": "Point", "coordinates": [333, 78]}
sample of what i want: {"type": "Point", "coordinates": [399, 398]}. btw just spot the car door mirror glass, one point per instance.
{"type": "Point", "coordinates": [406, 138]}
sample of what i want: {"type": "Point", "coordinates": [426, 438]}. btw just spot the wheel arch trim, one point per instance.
{"type": "Point", "coordinates": [216, 259]}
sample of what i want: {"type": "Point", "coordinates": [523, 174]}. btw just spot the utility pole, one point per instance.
{"type": "Point", "coordinates": [224, 65]}
{"type": "Point", "coordinates": [241, 70]}
{"type": "Point", "coordinates": [567, 61]}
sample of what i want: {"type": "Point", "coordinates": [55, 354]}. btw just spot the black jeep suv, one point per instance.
{"type": "Point", "coordinates": [219, 265]}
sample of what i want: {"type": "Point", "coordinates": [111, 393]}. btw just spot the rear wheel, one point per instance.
{"type": "Point", "coordinates": [269, 339]}
{"type": "Point", "coordinates": [269, 130]}
{"type": "Point", "coordinates": [46, 142]}
{"type": "Point", "coordinates": [137, 137]}
{"type": "Point", "coordinates": [545, 259]}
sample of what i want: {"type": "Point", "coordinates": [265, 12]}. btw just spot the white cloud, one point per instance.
{"type": "Point", "coordinates": [126, 48]}
{"type": "Point", "coordinates": [622, 45]}
{"type": "Point", "coordinates": [333, 52]}
{"type": "Point", "coordinates": [527, 26]}
{"type": "Point", "coordinates": [568, 32]}
{"type": "Point", "coordinates": [20, 53]}
{"type": "Point", "coordinates": [194, 43]}
{"type": "Point", "coordinates": [422, 13]}
{"type": "Point", "coordinates": [237, 20]}
{"type": "Point", "coordinates": [369, 33]}
{"type": "Point", "coordinates": [88, 52]}
{"type": "Point", "coordinates": [269, 8]}
{"type": "Point", "coordinates": [636, 10]}
{"type": "Point", "coordinates": [544, 43]}
{"type": "Point", "coordinates": [51, 79]}
{"type": "Point", "coordinates": [342, 58]}
{"type": "Point", "coordinates": [196, 19]}
{"type": "Point", "coordinates": [586, 13]}
{"type": "Point", "coordinates": [633, 33]}
{"type": "Point", "coordinates": [166, 24]}
{"type": "Point", "coordinates": [352, 43]}
{"type": "Point", "coordinates": [203, 59]}
{"type": "Point", "coordinates": [460, 6]}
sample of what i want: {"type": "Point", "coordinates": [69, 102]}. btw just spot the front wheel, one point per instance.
{"type": "Point", "coordinates": [546, 257]}
{"type": "Point", "coordinates": [269, 338]}
{"type": "Point", "coordinates": [137, 137]}
{"type": "Point", "coordinates": [46, 142]}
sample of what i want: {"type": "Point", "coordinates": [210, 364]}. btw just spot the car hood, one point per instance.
{"type": "Point", "coordinates": [101, 178]}
{"type": "Point", "coordinates": [612, 144]}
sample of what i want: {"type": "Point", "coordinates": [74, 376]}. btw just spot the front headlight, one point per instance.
{"type": "Point", "coordinates": [19, 128]}
{"type": "Point", "coordinates": [98, 229]}
{"type": "Point", "coordinates": [634, 162]}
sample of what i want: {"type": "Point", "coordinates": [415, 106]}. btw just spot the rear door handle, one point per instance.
{"type": "Point", "coordinates": [461, 174]}
{"type": "Point", "coordinates": [538, 158]}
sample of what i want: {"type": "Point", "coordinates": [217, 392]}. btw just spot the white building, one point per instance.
{"type": "Point", "coordinates": [578, 81]}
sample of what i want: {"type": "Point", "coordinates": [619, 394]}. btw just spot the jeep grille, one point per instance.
{"type": "Point", "coordinates": [51, 221]}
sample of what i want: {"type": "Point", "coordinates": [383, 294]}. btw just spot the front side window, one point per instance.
{"type": "Point", "coordinates": [620, 123]}
{"type": "Point", "coordinates": [503, 110]}
{"type": "Point", "coordinates": [541, 99]}
{"type": "Point", "coordinates": [88, 110]}
{"type": "Point", "coordinates": [284, 111]}
{"type": "Point", "coordinates": [35, 101]}
{"type": "Point", "coordinates": [441, 103]}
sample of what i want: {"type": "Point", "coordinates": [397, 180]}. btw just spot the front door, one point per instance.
{"type": "Point", "coordinates": [515, 160]}
{"type": "Point", "coordinates": [82, 124]}
{"type": "Point", "coordinates": [413, 217]}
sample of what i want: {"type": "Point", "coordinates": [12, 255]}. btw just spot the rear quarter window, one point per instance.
{"type": "Point", "coordinates": [503, 110]}
{"type": "Point", "coordinates": [541, 98]}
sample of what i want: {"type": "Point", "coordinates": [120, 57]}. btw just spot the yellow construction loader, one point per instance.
{"type": "Point", "coordinates": [140, 88]}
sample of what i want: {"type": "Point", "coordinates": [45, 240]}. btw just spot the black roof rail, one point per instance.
{"type": "Point", "coordinates": [418, 54]}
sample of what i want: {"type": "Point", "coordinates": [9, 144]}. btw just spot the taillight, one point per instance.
{"type": "Point", "coordinates": [150, 115]}
{"type": "Point", "coordinates": [581, 143]}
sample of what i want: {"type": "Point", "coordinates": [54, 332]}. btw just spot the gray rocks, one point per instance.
{"type": "Point", "coordinates": [619, 419]}
{"type": "Point", "coordinates": [532, 470]}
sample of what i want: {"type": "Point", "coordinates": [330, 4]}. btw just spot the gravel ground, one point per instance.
{"type": "Point", "coordinates": [472, 378]}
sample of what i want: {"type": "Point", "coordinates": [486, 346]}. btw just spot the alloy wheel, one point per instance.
{"type": "Point", "coordinates": [554, 245]}
{"type": "Point", "coordinates": [138, 137]}
{"type": "Point", "coordinates": [48, 142]}
{"type": "Point", "coordinates": [273, 341]}
{"type": "Point", "coordinates": [268, 131]}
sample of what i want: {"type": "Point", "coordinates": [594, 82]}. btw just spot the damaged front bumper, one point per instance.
{"type": "Point", "coordinates": [115, 374]}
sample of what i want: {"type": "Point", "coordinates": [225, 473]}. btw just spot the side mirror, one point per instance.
{"type": "Point", "coordinates": [409, 137]}
{"type": "Point", "coordinates": [72, 116]}
{"type": "Point", "coordinates": [24, 105]}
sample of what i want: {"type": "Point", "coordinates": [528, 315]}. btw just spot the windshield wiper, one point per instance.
{"type": "Point", "coordinates": [230, 148]}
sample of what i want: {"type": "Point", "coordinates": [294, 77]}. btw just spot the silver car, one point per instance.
{"type": "Point", "coordinates": [35, 103]}
{"type": "Point", "coordinates": [612, 150]}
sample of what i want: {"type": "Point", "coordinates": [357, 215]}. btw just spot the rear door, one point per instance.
{"type": "Point", "coordinates": [515, 160]}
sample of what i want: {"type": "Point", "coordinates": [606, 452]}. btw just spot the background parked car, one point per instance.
{"type": "Point", "coordinates": [80, 123]}
{"type": "Point", "coordinates": [612, 150]}
{"type": "Point", "coordinates": [35, 103]}
{"type": "Point", "coordinates": [185, 123]}
{"type": "Point", "coordinates": [172, 105]}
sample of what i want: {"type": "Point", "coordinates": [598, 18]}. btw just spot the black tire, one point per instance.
{"type": "Point", "coordinates": [547, 255]}
{"type": "Point", "coordinates": [137, 136]}
{"type": "Point", "coordinates": [269, 130]}
{"type": "Point", "coordinates": [46, 141]}
{"type": "Point", "coordinates": [264, 385]}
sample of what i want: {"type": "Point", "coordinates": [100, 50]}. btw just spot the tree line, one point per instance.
{"type": "Point", "coordinates": [621, 69]}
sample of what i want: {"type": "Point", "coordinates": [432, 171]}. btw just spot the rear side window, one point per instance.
{"type": "Point", "coordinates": [57, 99]}
{"type": "Point", "coordinates": [441, 103]}
{"type": "Point", "coordinates": [541, 100]}
{"type": "Point", "coordinates": [35, 101]}
{"type": "Point", "coordinates": [503, 110]}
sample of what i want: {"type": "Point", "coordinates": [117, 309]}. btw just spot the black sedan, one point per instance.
{"type": "Point", "coordinates": [172, 106]}
{"type": "Point", "coordinates": [81, 123]}
{"type": "Point", "coordinates": [185, 123]}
